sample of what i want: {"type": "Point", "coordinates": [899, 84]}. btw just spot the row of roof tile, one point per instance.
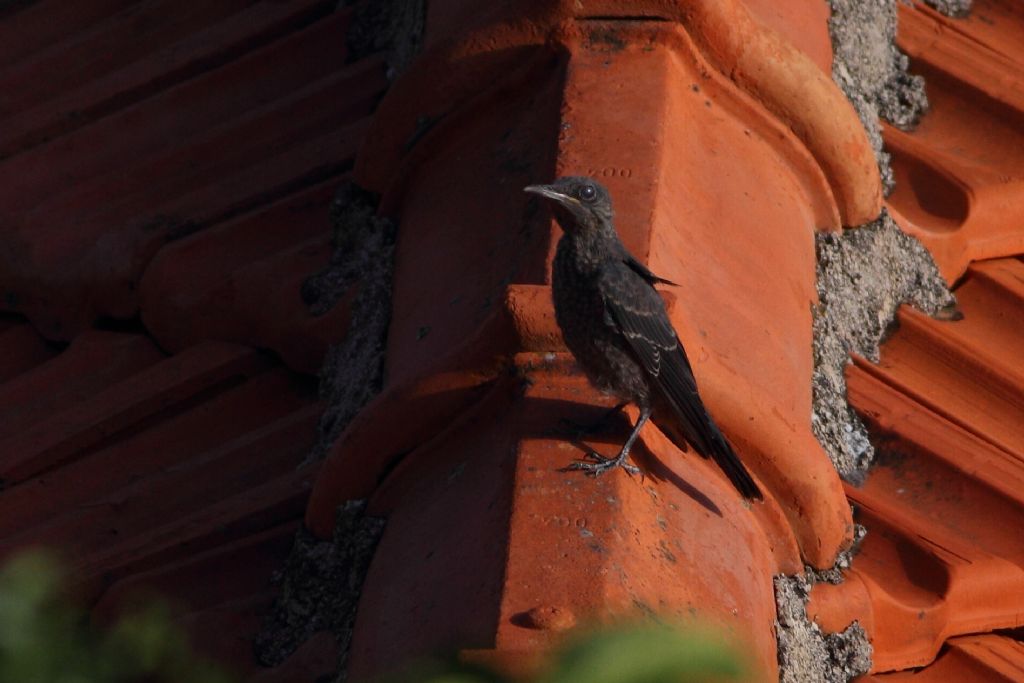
{"type": "Point", "coordinates": [182, 177]}
{"type": "Point", "coordinates": [171, 166]}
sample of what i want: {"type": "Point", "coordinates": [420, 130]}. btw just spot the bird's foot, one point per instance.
{"type": "Point", "coordinates": [602, 464]}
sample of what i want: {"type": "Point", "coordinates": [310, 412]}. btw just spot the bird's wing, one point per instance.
{"type": "Point", "coordinates": [645, 272]}
{"type": "Point", "coordinates": [635, 308]}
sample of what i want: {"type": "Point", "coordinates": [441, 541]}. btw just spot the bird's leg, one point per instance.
{"type": "Point", "coordinates": [604, 464]}
{"type": "Point", "coordinates": [597, 425]}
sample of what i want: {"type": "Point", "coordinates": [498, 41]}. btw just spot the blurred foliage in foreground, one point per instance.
{"type": "Point", "coordinates": [638, 654]}
{"type": "Point", "coordinates": [45, 640]}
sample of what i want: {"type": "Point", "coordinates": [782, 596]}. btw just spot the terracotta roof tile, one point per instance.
{"type": "Point", "coordinates": [92, 363]}
{"type": "Point", "coordinates": [259, 155]}
{"type": "Point", "coordinates": [43, 23]}
{"type": "Point", "coordinates": [23, 348]}
{"type": "Point", "coordinates": [182, 182]}
{"type": "Point", "coordinates": [105, 92]}
{"type": "Point", "coordinates": [959, 173]}
{"type": "Point", "coordinates": [970, 658]}
{"type": "Point", "coordinates": [240, 281]}
{"type": "Point", "coordinates": [143, 467]}
{"type": "Point", "coordinates": [164, 120]}
{"type": "Point", "coordinates": [944, 403]}
{"type": "Point", "coordinates": [944, 411]}
{"type": "Point", "coordinates": [931, 567]}
{"type": "Point", "coordinates": [167, 458]}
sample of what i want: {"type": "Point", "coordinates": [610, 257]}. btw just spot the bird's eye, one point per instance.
{"type": "Point", "coordinates": [588, 193]}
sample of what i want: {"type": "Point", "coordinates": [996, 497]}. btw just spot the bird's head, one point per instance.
{"type": "Point", "coordinates": [579, 203]}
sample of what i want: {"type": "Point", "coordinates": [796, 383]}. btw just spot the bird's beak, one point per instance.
{"type": "Point", "coordinates": [550, 193]}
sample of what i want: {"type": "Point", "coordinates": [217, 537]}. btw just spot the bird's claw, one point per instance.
{"type": "Point", "coordinates": [602, 464]}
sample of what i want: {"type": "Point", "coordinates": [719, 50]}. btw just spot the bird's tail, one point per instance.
{"type": "Point", "coordinates": [718, 450]}
{"type": "Point", "coordinates": [738, 474]}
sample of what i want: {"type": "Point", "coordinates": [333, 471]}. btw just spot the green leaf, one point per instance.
{"type": "Point", "coordinates": [649, 654]}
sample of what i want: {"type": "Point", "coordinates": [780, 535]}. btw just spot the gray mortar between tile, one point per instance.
{"type": "Point", "coordinates": [951, 8]}
{"type": "Point", "coordinates": [806, 654]}
{"type": "Point", "coordinates": [320, 587]}
{"type": "Point", "coordinates": [363, 257]}
{"type": "Point", "coordinates": [391, 28]}
{"type": "Point", "coordinates": [866, 273]}
{"type": "Point", "coordinates": [872, 72]}
{"type": "Point", "coordinates": [863, 276]}
{"type": "Point", "coordinates": [321, 581]}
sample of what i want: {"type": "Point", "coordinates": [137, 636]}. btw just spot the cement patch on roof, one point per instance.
{"type": "Point", "coordinates": [394, 29]}
{"type": "Point", "coordinates": [363, 259]}
{"type": "Point", "coordinates": [951, 8]}
{"type": "Point", "coordinates": [320, 588]}
{"type": "Point", "coordinates": [807, 654]}
{"type": "Point", "coordinates": [872, 72]}
{"type": "Point", "coordinates": [864, 275]}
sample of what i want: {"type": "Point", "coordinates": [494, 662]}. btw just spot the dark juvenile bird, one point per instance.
{"type": "Point", "coordinates": [616, 326]}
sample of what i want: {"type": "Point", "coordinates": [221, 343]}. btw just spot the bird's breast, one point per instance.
{"type": "Point", "coordinates": [597, 345]}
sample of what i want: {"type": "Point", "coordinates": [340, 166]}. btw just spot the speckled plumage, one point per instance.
{"type": "Point", "coordinates": [579, 285]}
{"type": "Point", "coordinates": [615, 324]}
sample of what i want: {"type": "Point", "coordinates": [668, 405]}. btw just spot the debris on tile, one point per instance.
{"type": "Point", "coordinates": [951, 8]}
{"type": "Point", "coordinates": [872, 72]}
{"type": "Point", "coordinates": [392, 27]}
{"type": "Point", "coordinates": [320, 588]}
{"type": "Point", "coordinates": [864, 275]}
{"type": "Point", "coordinates": [363, 258]}
{"type": "Point", "coordinates": [843, 561]}
{"type": "Point", "coordinates": [807, 654]}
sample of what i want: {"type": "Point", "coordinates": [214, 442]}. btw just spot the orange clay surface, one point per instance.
{"type": "Point", "coordinates": [944, 505]}
{"type": "Point", "coordinates": [469, 442]}
{"type": "Point", "coordinates": [163, 201]}
{"type": "Point", "coordinates": [960, 175]}
{"type": "Point", "coordinates": [163, 456]}
{"type": "Point", "coordinates": [641, 105]}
